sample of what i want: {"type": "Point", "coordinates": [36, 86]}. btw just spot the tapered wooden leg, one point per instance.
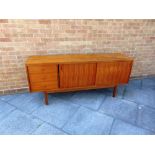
{"type": "Point", "coordinates": [114, 91]}
{"type": "Point", "coordinates": [46, 98]}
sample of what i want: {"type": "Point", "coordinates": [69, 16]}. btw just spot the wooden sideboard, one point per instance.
{"type": "Point", "coordinates": [61, 73]}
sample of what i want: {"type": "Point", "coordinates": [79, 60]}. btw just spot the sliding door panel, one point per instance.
{"type": "Point", "coordinates": [77, 75]}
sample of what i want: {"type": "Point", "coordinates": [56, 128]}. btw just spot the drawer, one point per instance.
{"type": "Point", "coordinates": [44, 86]}
{"type": "Point", "coordinates": [43, 77]}
{"type": "Point", "coordinates": [41, 69]}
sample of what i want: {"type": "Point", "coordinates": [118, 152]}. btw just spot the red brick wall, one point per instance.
{"type": "Point", "coordinates": [22, 38]}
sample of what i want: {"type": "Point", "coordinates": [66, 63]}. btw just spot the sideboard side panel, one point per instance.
{"type": "Point", "coordinates": [126, 67]}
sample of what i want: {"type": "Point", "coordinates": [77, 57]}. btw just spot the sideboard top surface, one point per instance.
{"type": "Point", "coordinates": [77, 58]}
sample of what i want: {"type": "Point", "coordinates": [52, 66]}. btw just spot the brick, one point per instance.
{"type": "Point", "coordinates": [6, 49]}
{"type": "Point", "coordinates": [3, 21]}
{"type": "Point", "coordinates": [153, 38]}
{"type": "Point", "coordinates": [44, 21]}
{"type": "Point", "coordinates": [5, 39]}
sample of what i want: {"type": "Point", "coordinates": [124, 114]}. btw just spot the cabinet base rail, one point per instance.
{"type": "Point", "coordinates": [46, 95]}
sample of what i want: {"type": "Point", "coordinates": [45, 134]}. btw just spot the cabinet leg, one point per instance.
{"type": "Point", "coordinates": [114, 91]}
{"type": "Point", "coordinates": [46, 98]}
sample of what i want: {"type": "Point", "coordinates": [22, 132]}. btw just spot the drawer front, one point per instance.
{"type": "Point", "coordinates": [43, 86]}
{"type": "Point", "coordinates": [43, 77]}
{"type": "Point", "coordinates": [41, 69]}
{"type": "Point", "coordinates": [77, 75]}
{"type": "Point", "coordinates": [113, 73]}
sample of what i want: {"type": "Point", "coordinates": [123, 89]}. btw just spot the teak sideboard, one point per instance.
{"type": "Point", "coordinates": [61, 73]}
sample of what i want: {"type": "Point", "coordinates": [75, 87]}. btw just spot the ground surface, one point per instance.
{"type": "Point", "coordinates": [84, 112]}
